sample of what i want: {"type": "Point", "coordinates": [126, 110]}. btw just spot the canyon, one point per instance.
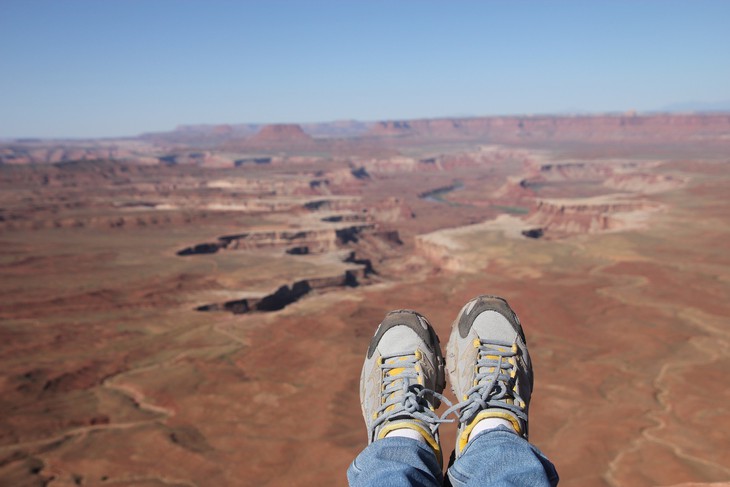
{"type": "Point", "coordinates": [174, 305]}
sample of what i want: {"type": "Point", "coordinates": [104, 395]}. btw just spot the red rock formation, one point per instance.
{"type": "Point", "coordinates": [319, 240]}
{"type": "Point", "coordinates": [288, 294]}
{"type": "Point", "coordinates": [547, 127]}
{"type": "Point", "coordinates": [395, 165]}
{"type": "Point", "coordinates": [628, 176]}
{"type": "Point", "coordinates": [222, 130]}
{"type": "Point", "coordinates": [280, 134]}
{"type": "Point", "coordinates": [390, 209]}
{"type": "Point", "coordinates": [644, 183]}
{"type": "Point", "coordinates": [589, 215]}
{"type": "Point", "coordinates": [201, 158]}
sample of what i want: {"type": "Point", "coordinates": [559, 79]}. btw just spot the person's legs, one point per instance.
{"type": "Point", "coordinates": [396, 461]}
{"type": "Point", "coordinates": [402, 377]}
{"type": "Point", "coordinates": [499, 457]}
{"type": "Point", "coordinates": [491, 374]}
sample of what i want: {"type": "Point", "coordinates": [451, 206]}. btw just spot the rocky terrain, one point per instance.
{"type": "Point", "coordinates": [192, 308]}
{"type": "Point", "coordinates": [231, 143]}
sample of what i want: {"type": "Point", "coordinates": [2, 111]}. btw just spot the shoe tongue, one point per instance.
{"type": "Point", "coordinates": [489, 356]}
{"type": "Point", "coordinates": [397, 384]}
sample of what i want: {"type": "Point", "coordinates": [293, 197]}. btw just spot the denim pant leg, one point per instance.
{"type": "Point", "coordinates": [499, 457]}
{"type": "Point", "coordinates": [395, 462]}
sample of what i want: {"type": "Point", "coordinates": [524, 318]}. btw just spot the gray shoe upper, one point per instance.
{"type": "Point", "coordinates": [489, 365]}
{"type": "Point", "coordinates": [403, 376]}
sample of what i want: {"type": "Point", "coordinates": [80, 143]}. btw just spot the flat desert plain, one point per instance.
{"type": "Point", "coordinates": [181, 311]}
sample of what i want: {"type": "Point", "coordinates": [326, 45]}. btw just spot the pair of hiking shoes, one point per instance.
{"type": "Point", "coordinates": [489, 368]}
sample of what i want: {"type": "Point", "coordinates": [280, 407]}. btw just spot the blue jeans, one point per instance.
{"type": "Point", "coordinates": [496, 457]}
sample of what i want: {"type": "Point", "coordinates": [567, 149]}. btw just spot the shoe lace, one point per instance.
{"type": "Point", "coordinates": [402, 396]}
{"type": "Point", "coordinates": [496, 374]}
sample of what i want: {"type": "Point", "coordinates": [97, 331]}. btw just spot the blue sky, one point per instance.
{"type": "Point", "coordinates": [122, 67]}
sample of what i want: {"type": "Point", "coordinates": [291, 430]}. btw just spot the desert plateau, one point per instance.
{"type": "Point", "coordinates": [192, 307]}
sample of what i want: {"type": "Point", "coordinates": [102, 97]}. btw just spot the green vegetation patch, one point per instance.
{"type": "Point", "coordinates": [513, 210]}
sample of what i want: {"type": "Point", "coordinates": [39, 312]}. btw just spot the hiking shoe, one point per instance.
{"type": "Point", "coordinates": [489, 367]}
{"type": "Point", "coordinates": [402, 378]}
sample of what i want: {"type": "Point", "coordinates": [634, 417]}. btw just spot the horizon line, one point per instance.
{"type": "Point", "coordinates": [576, 114]}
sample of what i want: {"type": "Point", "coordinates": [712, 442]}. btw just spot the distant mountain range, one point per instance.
{"type": "Point", "coordinates": [698, 106]}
